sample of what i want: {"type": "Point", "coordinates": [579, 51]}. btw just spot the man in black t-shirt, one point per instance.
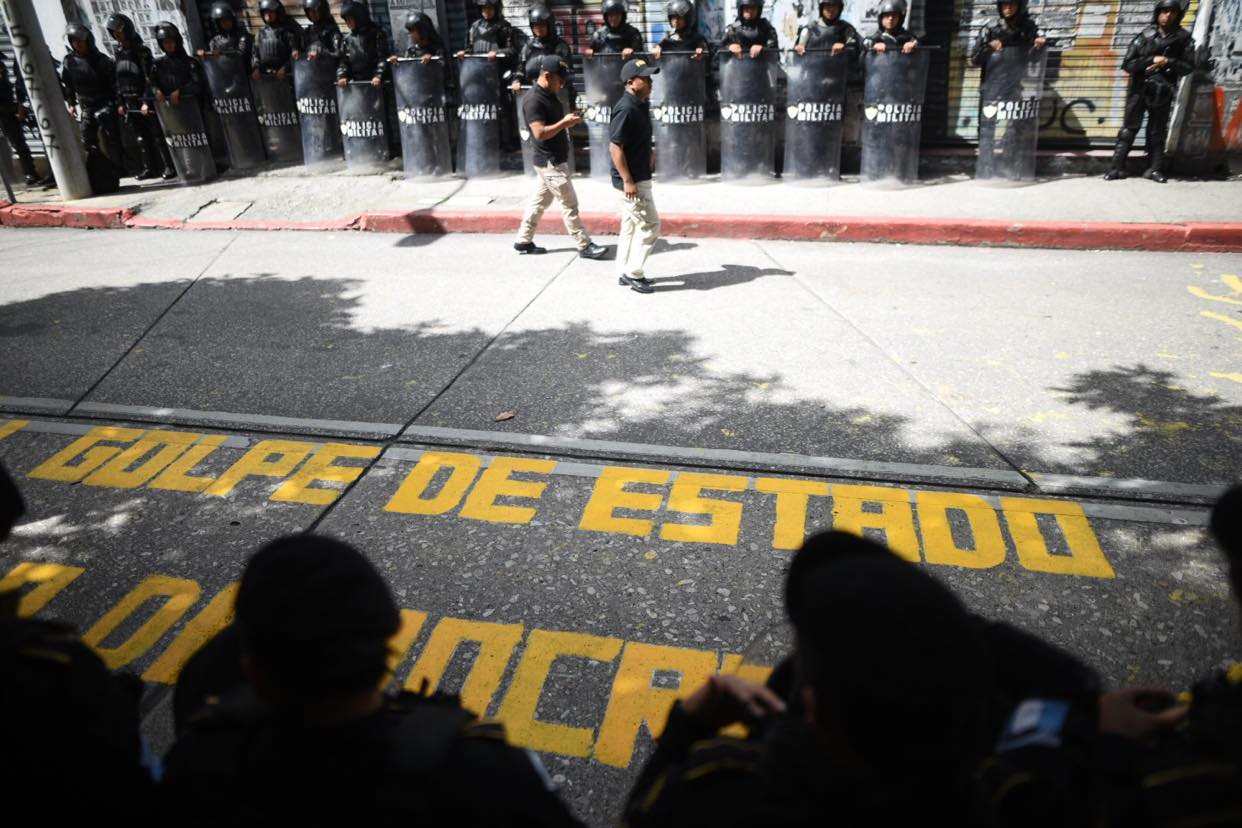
{"type": "Point", "coordinates": [548, 124]}
{"type": "Point", "coordinates": [630, 147]}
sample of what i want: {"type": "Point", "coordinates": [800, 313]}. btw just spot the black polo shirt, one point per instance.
{"type": "Point", "coordinates": [631, 130]}
{"type": "Point", "coordinates": [541, 105]}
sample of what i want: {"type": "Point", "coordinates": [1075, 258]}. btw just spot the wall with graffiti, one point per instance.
{"type": "Point", "coordinates": [1084, 92]}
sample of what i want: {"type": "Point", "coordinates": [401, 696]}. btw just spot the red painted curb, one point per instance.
{"type": "Point", "coordinates": [1064, 235]}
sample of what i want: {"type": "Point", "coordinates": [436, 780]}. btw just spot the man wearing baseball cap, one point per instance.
{"type": "Point", "coordinates": [630, 148]}
{"type": "Point", "coordinates": [549, 128]}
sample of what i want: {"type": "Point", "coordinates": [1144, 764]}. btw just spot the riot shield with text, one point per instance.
{"type": "Point", "coordinates": [187, 140]}
{"type": "Point", "coordinates": [363, 131]}
{"type": "Point", "coordinates": [747, 116]}
{"type": "Point", "coordinates": [893, 114]}
{"type": "Point", "coordinates": [314, 86]}
{"type": "Point", "coordinates": [422, 118]}
{"type": "Point", "coordinates": [230, 97]}
{"type": "Point", "coordinates": [815, 115]}
{"type": "Point", "coordinates": [602, 79]}
{"type": "Point", "coordinates": [478, 142]}
{"type": "Point", "coordinates": [678, 101]}
{"type": "Point", "coordinates": [278, 119]}
{"type": "Point", "coordinates": [1013, 82]}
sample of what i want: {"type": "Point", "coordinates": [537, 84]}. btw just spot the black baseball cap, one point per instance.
{"type": "Point", "coordinates": [637, 68]}
{"type": "Point", "coordinates": [554, 64]}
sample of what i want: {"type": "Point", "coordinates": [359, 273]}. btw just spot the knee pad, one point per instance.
{"type": "Point", "coordinates": [1127, 135]}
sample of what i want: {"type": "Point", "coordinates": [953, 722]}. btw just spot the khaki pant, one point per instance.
{"type": "Point", "coordinates": [640, 229]}
{"type": "Point", "coordinates": [554, 183]}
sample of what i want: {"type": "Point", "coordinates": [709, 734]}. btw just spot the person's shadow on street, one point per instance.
{"type": "Point", "coordinates": [727, 276]}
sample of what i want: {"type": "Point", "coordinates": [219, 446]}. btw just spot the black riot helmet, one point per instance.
{"type": "Point", "coordinates": [222, 11]}
{"type": "Point", "coordinates": [418, 21]}
{"type": "Point", "coordinates": [840, 4]}
{"type": "Point", "coordinates": [611, 6]}
{"type": "Point", "coordinates": [539, 14]}
{"type": "Point", "coordinates": [1021, 7]}
{"type": "Point", "coordinates": [897, 7]}
{"type": "Point", "coordinates": [1167, 5]}
{"type": "Point", "coordinates": [167, 31]}
{"type": "Point", "coordinates": [118, 22]}
{"type": "Point", "coordinates": [76, 31]}
{"type": "Point", "coordinates": [276, 6]}
{"type": "Point", "coordinates": [358, 11]}
{"type": "Point", "coordinates": [493, 3]}
{"type": "Point", "coordinates": [681, 8]}
{"type": "Point", "coordinates": [741, 4]}
{"type": "Point", "coordinates": [325, 12]}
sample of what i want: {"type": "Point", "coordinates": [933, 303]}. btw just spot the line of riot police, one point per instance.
{"type": "Point", "coordinates": [295, 95]}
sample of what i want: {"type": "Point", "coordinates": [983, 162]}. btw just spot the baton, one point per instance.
{"type": "Point", "coordinates": [499, 55]}
{"type": "Point", "coordinates": [420, 60]}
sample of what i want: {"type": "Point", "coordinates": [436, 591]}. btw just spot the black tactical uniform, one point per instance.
{"type": "Point", "coordinates": [1019, 30]}
{"type": "Point", "coordinates": [364, 49]}
{"type": "Point", "coordinates": [234, 39]}
{"type": "Point", "coordinates": [133, 66]}
{"type": "Point", "coordinates": [498, 35]}
{"type": "Point", "coordinates": [688, 38]}
{"type": "Point", "coordinates": [10, 101]}
{"type": "Point", "coordinates": [824, 34]}
{"type": "Point", "coordinates": [433, 45]}
{"type": "Point", "coordinates": [322, 36]}
{"type": "Point", "coordinates": [535, 48]}
{"type": "Point", "coordinates": [756, 32]}
{"type": "Point", "coordinates": [898, 37]}
{"type": "Point", "coordinates": [609, 41]}
{"type": "Point", "coordinates": [90, 86]}
{"type": "Point", "coordinates": [175, 71]}
{"type": "Point", "coordinates": [418, 761]}
{"type": "Point", "coordinates": [275, 44]}
{"type": "Point", "coordinates": [1151, 90]}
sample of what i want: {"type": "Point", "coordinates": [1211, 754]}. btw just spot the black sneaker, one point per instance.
{"type": "Point", "coordinates": [146, 174]}
{"type": "Point", "coordinates": [637, 284]}
{"type": "Point", "coordinates": [1114, 174]}
{"type": "Point", "coordinates": [1156, 176]}
{"type": "Point", "coordinates": [169, 174]}
{"type": "Point", "coordinates": [32, 180]}
{"type": "Point", "coordinates": [593, 251]}
{"type": "Point", "coordinates": [529, 249]}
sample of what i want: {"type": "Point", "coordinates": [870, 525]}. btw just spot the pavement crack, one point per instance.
{"type": "Point", "coordinates": [86, 394]}
{"type": "Point", "coordinates": [1031, 485]}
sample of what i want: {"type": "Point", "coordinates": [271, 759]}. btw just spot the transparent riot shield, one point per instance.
{"type": "Point", "coordinates": [363, 131]}
{"type": "Point", "coordinates": [278, 119]}
{"type": "Point", "coordinates": [230, 97]}
{"type": "Point", "coordinates": [893, 115]}
{"type": "Point", "coordinates": [187, 139]}
{"type": "Point", "coordinates": [602, 79]}
{"type": "Point", "coordinates": [815, 115]}
{"type": "Point", "coordinates": [422, 118]}
{"type": "Point", "coordinates": [677, 105]}
{"type": "Point", "coordinates": [748, 116]}
{"type": "Point", "coordinates": [478, 141]}
{"type": "Point", "coordinates": [1013, 82]}
{"type": "Point", "coordinates": [314, 86]}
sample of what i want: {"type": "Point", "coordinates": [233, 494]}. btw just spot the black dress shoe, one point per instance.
{"type": "Point", "coordinates": [529, 249]}
{"type": "Point", "coordinates": [637, 284]}
{"type": "Point", "coordinates": [593, 251]}
{"type": "Point", "coordinates": [147, 174]}
{"type": "Point", "coordinates": [1114, 174]}
{"type": "Point", "coordinates": [169, 174]}
{"type": "Point", "coordinates": [32, 180]}
{"type": "Point", "coordinates": [1156, 176]}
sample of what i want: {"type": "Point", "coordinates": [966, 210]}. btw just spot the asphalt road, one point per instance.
{"type": "Point", "coordinates": [586, 498]}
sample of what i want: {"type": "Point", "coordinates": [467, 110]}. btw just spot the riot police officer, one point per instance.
{"type": "Point", "coordinates": [133, 63]}
{"type": "Point", "coordinates": [364, 49]}
{"type": "Point", "coordinates": [683, 36]}
{"type": "Point", "coordinates": [322, 35]}
{"type": "Point", "coordinates": [89, 79]}
{"type": "Point", "coordinates": [829, 31]}
{"type": "Point", "coordinates": [279, 42]}
{"type": "Point", "coordinates": [173, 72]}
{"type": "Point", "coordinates": [1160, 55]}
{"type": "Point", "coordinates": [544, 40]}
{"type": "Point", "coordinates": [750, 32]}
{"type": "Point", "coordinates": [13, 112]}
{"type": "Point", "coordinates": [1012, 27]}
{"type": "Point", "coordinates": [494, 36]}
{"type": "Point", "coordinates": [426, 44]}
{"type": "Point", "coordinates": [228, 35]}
{"type": "Point", "coordinates": [616, 36]}
{"type": "Point", "coordinates": [891, 33]}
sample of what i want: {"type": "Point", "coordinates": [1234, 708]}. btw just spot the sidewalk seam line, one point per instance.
{"type": "Point", "coordinates": [1031, 485]}
{"type": "Point", "coordinates": [151, 327]}
{"type": "Point", "coordinates": [393, 440]}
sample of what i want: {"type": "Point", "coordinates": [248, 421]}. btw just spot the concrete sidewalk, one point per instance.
{"type": "Point", "coordinates": [1068, 212]}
